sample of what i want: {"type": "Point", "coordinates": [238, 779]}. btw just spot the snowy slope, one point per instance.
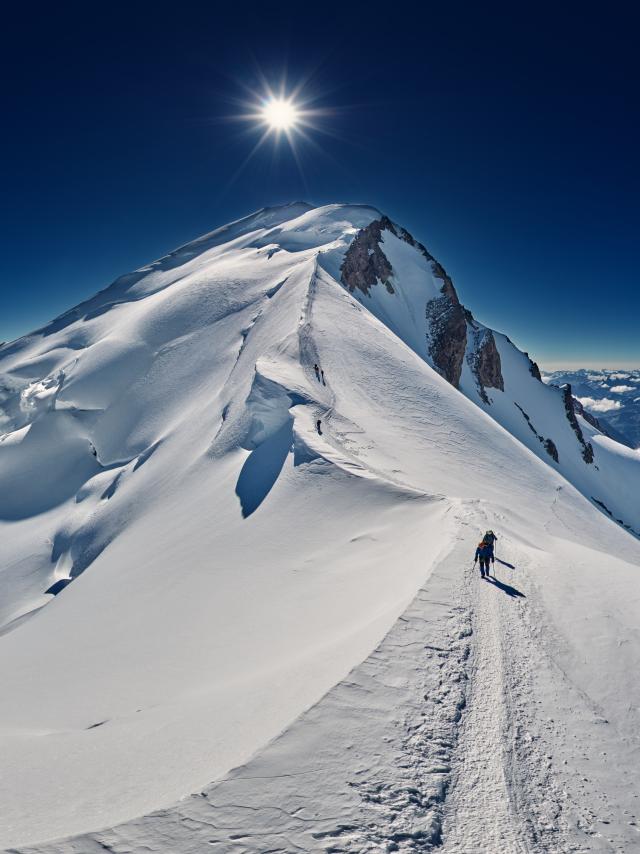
{"type": "Point", "coordinates": [603, 470]}
{"type": "Point", "coordinates": [403, 285]}
{"type": "Point", "coordinates": [220, 564]}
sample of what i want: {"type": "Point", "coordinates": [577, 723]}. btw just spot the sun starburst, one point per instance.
{"type": "Point", "coordinates": [280, 114]}
{"type": "Point", "coordinates": [288, 116]}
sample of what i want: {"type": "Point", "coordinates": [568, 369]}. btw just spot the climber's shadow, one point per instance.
{"type": "Point", "coordinates": [507, 588]}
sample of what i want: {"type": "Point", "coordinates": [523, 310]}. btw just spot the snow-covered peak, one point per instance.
{"type": "Point", "coordinates": [237, 266]}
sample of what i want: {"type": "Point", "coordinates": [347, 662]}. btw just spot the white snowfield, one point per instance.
{"type": "Point", "coordinates": [238, 607]}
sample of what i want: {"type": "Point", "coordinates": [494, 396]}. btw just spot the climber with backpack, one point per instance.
{"type": "Point", "coordinates": [490, 539]}
{"type": "Point", "coordinates": [484, 553]}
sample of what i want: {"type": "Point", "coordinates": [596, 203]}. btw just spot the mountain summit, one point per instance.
{"type": "Point", "coordinates": [223, 480]}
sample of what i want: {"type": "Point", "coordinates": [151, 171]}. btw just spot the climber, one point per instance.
{"type": "Point", "coordinates": [317, 370]}
{"type": "Point", "coordinates": [322, 373]}
{"type": "Point", "coordinates": [485, 553]}
{"type": "Point", "coordinates": [318, 423]}
{"type": "Point", "coordinates": [490, 539]}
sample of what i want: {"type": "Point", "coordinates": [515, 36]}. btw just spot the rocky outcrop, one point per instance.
{"type": "Point", "coordinates": [548, 444]}
{"type": "Point", "coordinates": [587, 453]}
{"type": "Point", "coordinates": [488, 366]}
{"type": "Point", "coordinates": [569, 406]}
{"type": "Point", "coordinates": [551, 449]}
{"type": "Point", "coordinates": [484, 360]}
{"type": "Point", "coordinates": [534, 370]}
{"type": "Point", "coordinates": [366, 265]}
{"type": "Point", "coordinates": [446, 336]}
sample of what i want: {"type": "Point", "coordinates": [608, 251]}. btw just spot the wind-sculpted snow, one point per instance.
{"type": "Point", "coordinates": [222, 481]}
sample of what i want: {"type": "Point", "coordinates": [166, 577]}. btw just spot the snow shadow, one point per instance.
{"type": "Point", "coordinates": [507, 588]}
{"type": "Point", "coordinates": [58, 586]}
{"type": "Point", "coordinates": [504, 563]}
{"type": "Point", "coordinates": [144, 456]}
{"type": "Point", "coordinates": [262, 468]}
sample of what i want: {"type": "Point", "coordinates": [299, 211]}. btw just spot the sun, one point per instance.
{"type": "Point", "coordinates": [280, 114]}
{"type": "Point", "coordinates": [285, 117]}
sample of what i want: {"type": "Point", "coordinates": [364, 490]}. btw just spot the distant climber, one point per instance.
{"type": "Point", "coordinates": [490, 539]}
{"type": "Point", "coordinates": [484, 553]}
{"type": "Point", "coordinates": [318, 423]}
{"type": "Point", "coordinates": [322, 375]}
{"type": "Point", "coordinates": [317, 370]}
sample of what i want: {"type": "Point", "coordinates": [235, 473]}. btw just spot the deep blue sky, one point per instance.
{"type": "Point", "coordinates": [505, 138]}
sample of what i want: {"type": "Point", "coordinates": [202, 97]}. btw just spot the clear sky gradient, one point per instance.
{"type": "Point", "coordinates": [505, 138]}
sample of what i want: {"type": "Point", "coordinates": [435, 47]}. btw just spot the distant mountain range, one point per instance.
{"type": "Point", "coordinates": [613, 397]}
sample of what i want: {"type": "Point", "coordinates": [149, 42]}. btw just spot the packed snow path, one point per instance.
{"type": "Point", "coordinates": [440, 740]}
{"type": "Point", "coordinates": [482, 812]}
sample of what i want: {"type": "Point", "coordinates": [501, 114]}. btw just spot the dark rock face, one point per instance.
{"type": "Point", "coordinates": [551, 449]}
{"type": "Point", "coordinates": [489, 367]}
{"type": "Point", "coordinates": [534, 370]}
{"type": "Point", "coordinates": [485, 361]}
{"type": "Point", "coordinates": [569, 406]}
{"type": "Point", "coordinates": [447, 340]}
{"type": "Point", "coordinates": [365, 264]}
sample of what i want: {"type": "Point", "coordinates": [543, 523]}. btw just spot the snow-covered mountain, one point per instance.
{"type": "Point", "coordinates": [404, 286]}
{"type": "Point", "coordinates": [241, 489]}
{"type": "Point", "coordinates": [612, 397]}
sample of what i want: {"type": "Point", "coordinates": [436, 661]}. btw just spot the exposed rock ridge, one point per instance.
{"type": "Point", "coordinates": [365, 264]}
{"type": "Point", "coordinates": [548, 444]}
{"type": "Point", "coordinates": [446, 336]}
{"type": "Point", "coordinates": [534, 370]}
{"type": "Point", "coordinates": [569, 406]}
{"type": "Point", "coordinates": [484, 360]}
{"type": "Point", "coordinates": [447, 321]}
